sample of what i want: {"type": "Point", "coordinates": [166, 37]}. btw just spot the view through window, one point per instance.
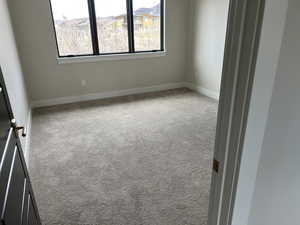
{"type": "Point", "coordinates": [146, 24]}
{"type": "Point", "coordinates": [73, 32]}
{"type": "Point", "coordinates": [96, 27]}
{"type": "Point", "coordinates": [112, 25]}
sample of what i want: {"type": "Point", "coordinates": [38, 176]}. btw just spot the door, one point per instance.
{"type": "Point", "coordinates": [17, 203]}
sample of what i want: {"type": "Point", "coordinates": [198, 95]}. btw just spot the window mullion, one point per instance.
{"type": "Point", "coordinates": [93, 25]}
{"type": "Point", "coordinates": [162, 25]}
{"type": "Point", "coordinates": [130, 25]}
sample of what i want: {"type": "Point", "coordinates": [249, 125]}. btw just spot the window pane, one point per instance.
{"type": "Point", "coordinates": [72, 25]}
{"type": "Point", "coordinates": [146, 16]}
{"type": "Point", "coordinates": [112, 26]}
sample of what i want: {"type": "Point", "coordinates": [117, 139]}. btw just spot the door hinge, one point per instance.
{"type": "Point", "coordinates": [216, 165]}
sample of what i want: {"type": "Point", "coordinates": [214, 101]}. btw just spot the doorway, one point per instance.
{"type": "Point", "coordinates": [137, 201]}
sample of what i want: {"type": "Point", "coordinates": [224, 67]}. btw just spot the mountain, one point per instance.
{"type": "Point", "coordinates": [155, 11]}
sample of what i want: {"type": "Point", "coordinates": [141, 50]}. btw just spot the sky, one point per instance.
{"type": "Point", "coordinates": [72, 9]}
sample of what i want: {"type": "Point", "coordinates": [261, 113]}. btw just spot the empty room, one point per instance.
{"type": "Point", "coordinates": [149, 112]}
{"type": "Point", "coordinates": [115, 104]}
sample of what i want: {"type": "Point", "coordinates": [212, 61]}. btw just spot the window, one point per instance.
{"type": "Point", "coordinates": [102, 27]}
{"type": "Point", "coordinates": [147, 25]}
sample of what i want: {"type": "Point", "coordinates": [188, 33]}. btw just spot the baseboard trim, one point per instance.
{"type": "Point", "coordinates": [203, 91]}
{"type": "Point", "coordinates": [103, 95]}
{"type": "Point", "coordinates": [28, 136]}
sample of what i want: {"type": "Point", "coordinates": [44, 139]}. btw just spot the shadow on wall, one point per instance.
{"type": "Point", "coordinates": [208, 24]}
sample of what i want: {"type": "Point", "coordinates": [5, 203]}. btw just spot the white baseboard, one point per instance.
{"type": "Point", "coordinates": [28, 137]}
{"type": "Point", "coordinates": [102, 95]}
{"type": "Point", "coordinates": [203, 91]}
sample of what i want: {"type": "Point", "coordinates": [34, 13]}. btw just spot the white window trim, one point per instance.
{"type": "Point", "coordinates": [96, 58]}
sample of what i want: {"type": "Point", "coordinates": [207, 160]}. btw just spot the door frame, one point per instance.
{"type": "Point", "coordinates": [243, 34]}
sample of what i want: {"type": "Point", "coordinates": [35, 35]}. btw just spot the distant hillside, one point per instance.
{"type": "Point", "coordinates": [155, 11]}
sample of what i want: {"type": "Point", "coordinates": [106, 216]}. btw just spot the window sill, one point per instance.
{"type": "Point", "coordinates": [97, 58]}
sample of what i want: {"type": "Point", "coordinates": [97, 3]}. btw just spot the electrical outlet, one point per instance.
{"type": "Point", "coordinates": [83, 83]}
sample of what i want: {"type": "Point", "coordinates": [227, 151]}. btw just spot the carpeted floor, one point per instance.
{"type": "Point", "coordinates": [135, 160]}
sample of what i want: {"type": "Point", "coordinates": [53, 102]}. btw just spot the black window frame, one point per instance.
{"type": "Point", "coordinates": [130, 28]}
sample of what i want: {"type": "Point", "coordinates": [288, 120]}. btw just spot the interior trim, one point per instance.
{"type": "Point", "coordinates": [28, 137]}
{"type": "Point", "coordinates": [103, 95]}
{"type": "Point", "coordinates": [204, 91]}
{"type": "Point", "coordinates": [96, 58]}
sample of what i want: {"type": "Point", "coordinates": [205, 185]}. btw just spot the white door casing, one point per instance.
{"type": "Point", "coordinates": [241, 47]}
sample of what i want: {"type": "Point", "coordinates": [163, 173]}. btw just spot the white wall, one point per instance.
{"type": "Point", "coordinates": [207, 32]}
{"type": "Point", "coordinates": [11, 68]}
{"type": "Point", "coordinates": [276, 198]}
{"type": "Point", "coordinates": [47, 80]}
{"type": "Point", "coordinates": [269, 180]}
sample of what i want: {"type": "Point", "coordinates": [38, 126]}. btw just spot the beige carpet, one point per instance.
{"type": "Point", "coordinates": [135, 160]}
